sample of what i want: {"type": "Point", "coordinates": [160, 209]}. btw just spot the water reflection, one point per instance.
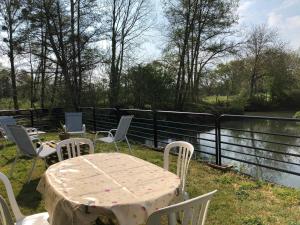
{"type": "Point", "coordinates": [253, 147]}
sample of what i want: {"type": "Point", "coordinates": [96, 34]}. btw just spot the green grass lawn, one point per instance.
{"type": "Point", "coordinates": [240, 200]}
{"type": "Point", "coordinates": [221, 98]}
{"type": "Point", "coordinates": [7, 104]}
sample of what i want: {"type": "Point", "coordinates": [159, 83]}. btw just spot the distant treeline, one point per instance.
{"type": "Point", "coordinates": [72, 53]}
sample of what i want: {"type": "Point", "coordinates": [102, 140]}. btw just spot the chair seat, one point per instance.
{"type": "Point", "coordinates": [106, 139]}
{"type": "Point", "coordinates": [32, 138]}
{"type": "Point", "coordinates": [36, 219]}
{"type": "Point", "coordinates": [47, 150]}
{"type": "Point", "coordinates": [76, 132]}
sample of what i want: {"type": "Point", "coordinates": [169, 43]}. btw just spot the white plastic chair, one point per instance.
{"type": "Point", "coordinates": [192, 212]}
{"type": "Point", "coordinates": [26, 147]}
{"type": "Point", "coordinates": [73, 123]}
{"type": "Point", "coordinates": [36, 219]}
{"type": "Point", "coordinates": [73, 147]}
{"type": "Point", "coordinates": [120, 133]}
{"type": "Point", "coordinates": [185, 153]}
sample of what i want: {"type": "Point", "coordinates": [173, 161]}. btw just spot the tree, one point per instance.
{"type": "Point", "coordinates": [65, 33]}
{"type": "Point", "coordinates": [127, 21]}
{"type": "Point", "coordinates": [11, 12]}
{"type": "Point", "coordinates": [150, 85]}
{"type": "Point", "coordinates": [259, 40]}
{"type": "Point", "coordinates": [197, 36]}
{"type": "Point", "coordinates": [5, 87]}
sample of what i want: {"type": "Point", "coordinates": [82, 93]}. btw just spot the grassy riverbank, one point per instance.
{"type": "Point", "coordinates": [239, 201]}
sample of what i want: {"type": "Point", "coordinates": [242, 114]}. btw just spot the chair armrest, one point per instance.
{"type": "Point", "coordinates": [40, 148]}
{"type": "Point", "coordinates": [32, 130]}
{"type": "Point", "coordinates": [105, 132]}
{"type": "Point", "coordinates": [112, 130]}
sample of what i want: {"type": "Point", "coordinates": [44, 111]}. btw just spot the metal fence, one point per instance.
{"type": "Point", "coordinates": [232, 138]}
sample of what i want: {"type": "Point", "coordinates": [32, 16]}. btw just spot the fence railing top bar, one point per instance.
{"type": "Point", "coordinates": [97, 108]}
{"type": "Point", "coordinates": [137, 110]}
{"type": "Point", "coordinates": [191, 113]}
{"type": "Point", "coordinates": [19, 110]}
{"type": "Point", "coordinates": [259, 117]}
{"type": "Point", "coordinates": [85, 107]}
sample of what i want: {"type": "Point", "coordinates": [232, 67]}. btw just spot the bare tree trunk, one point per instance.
{"type": "Point", "coordinates": [43, 67]}
{"type": "Point", "coordinates": [79, 52]}
{"type": "Point", "coordinates": [12, 60]}
{"type": "Point", "coordinates": [31, 77]}
{"type": "Point", "coordinates": [74, 66]}
{"type": "Point", "coordinates": [54, 88]}
{"type": "Point", "coordinates": [113, 98]}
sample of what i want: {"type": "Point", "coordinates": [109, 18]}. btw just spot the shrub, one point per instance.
{"type": "Point", "coordinates": [297, 115]}
{"type": "Point", "coordinates": [292, 99]}
{"type": "Point", "coordinates": [257, 103]}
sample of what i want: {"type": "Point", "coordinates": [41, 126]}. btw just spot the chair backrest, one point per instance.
{"type": "Point", "coordinates": [5, 216]}
{"type": "Point", "coordinates": [123, 127]}
{"type": "Point", "coordinates": [4, 122]}
{"type": "Point", "coordinates": [73, 147]}
{"type": "Point", "coordinates": [22, 140]}
{"type": "Point", "coordinates": [192, 212]}
{"type": "Point", "coordinates": [11, 197]}
{"type": "Point", "coordinates": [73, 121]}
{"type": "Point", "coordinates": [185, 152]}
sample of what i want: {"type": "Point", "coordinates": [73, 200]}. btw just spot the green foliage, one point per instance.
{"type": "Point", "coordinates": [223, 104]}
{"type": "Point", "coordinates": [297, 115]}
{"type": "Point", "coordinates": [5, 87]}
{"type": "Point", "coordinates": [149, 85]}
{"type": "Point", "coordinates": [292, 97]}
{"type": "Point", "coordinates": [7, 103]}
{"type": "Point", "coordinates": [258, 102]}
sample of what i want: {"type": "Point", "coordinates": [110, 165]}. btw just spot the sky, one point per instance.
{"type": "Point", "coordinates": [281, 15]}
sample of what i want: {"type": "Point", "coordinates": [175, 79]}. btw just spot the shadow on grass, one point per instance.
{"type": "Point", "coordinates": [28, 196]}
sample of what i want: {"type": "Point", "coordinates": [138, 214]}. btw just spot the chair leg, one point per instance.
{"type": "Point", "coordinates": [14, 164]}
{"type": "Point", "coordinates": [31, 170]}
{"type": "Point", "coordinates": [172, 219]}
{"type": "Point", "coordinates": [128, 144]}
{"type": "Point", "coordinates": [116, 146]}
{"type": "Point", "coordinates": [186, 196]}
{"type": "Point", "coordinates": [45, 162]}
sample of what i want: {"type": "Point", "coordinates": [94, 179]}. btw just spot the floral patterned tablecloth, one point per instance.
{"type": "Point", "coordinates": [78, 190]}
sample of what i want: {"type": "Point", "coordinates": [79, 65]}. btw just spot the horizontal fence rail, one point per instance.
{"type": "Point", "coordinates": [274, 145]}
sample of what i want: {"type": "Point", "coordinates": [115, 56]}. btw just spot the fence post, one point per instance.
{"type": "Point", "coordinates": [31, 118]}
{"type": "Point", "coordinates": [154, 112]}
{"type": "Point", "coordinates": [218, 141]}
{"type": "Point", "coordinates": [94, 119]}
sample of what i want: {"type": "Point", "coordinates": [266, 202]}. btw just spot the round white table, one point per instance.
{"type": "Point", "coordinates": [78, 190]}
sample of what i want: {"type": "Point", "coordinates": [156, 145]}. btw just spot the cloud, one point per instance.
{"type": "Point", "coordinates": [288, 27]}
{"type": "Point", "coordinates": [244, 6]}
{"type": "Point", "coordinates": [274, 19]}
{"type": "Point", "coordinates": [243, 9]}
{"type": "Point", "coordinates": [288, 3]}
{"type": "Point", "coordinates": [293, 22]}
